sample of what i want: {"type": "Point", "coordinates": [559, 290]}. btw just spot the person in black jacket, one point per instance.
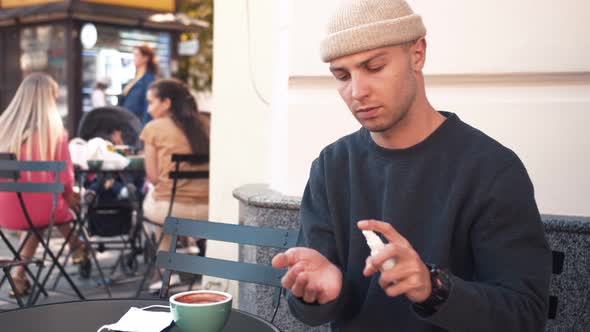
{"type": "Point", "coordinates": [455, 208]}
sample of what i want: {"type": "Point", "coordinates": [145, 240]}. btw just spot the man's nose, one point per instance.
{"type": "Point", "coordinates": [360, 87]}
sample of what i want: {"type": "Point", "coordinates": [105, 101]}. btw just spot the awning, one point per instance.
{"type": "Point", "coordinates": [100, 13]}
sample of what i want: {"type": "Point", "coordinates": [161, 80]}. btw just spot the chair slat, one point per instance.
{"type": "Point", "coordinates": [188, 175]}
{"type": "Point", "coordinates": [35, 166]}
{"type": "Point", "coordinates": [8, 175]}
{"type": "Point", "coordinates": [32, 187]}
{"type": "Point", "coordinates": [193, 158]}
{"type": "Point", "coordinates": [258, 236]}
{"type": "Point", "coordinates": [260, 274]}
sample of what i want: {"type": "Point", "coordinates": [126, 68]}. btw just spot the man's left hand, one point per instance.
{"type": "Point", "coordinates": [409, 276]}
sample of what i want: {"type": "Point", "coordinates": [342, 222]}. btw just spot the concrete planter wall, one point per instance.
{"type": "Point", "coordinates": [262, 207]}
{"type": "Point", "coordinates": [570, 235]}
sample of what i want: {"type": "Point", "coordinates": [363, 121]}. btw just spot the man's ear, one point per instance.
{"type": "Point", "coordinates": [418, 54]}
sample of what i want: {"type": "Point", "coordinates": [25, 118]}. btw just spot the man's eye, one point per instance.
{"type": "Point", "coordinates": [375, 69]}
{"type": "Point", "coordinates": [342, 77]}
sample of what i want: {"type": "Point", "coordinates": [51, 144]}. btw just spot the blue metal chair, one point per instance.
{"type": "Point", "coordinates": [152, 244]}
{"type": "Point", "coordinates": [246, 235]}
{"type": "Point", "coordinates": [10, 174]}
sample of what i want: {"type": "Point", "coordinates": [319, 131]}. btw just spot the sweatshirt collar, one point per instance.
{"type": "Point", "coordinates": [436, 138]}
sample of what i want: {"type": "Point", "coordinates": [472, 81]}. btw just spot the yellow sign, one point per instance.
{"type": "Point", "coordinates": [161, 5]}
{"type": "Point", "coordinates": [22, 3]}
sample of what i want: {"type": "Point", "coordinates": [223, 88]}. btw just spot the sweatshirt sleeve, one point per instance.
{"type": "Point", "coordinates": [317, 232]}
{"type": "Point", "coordinates": [510, 288]}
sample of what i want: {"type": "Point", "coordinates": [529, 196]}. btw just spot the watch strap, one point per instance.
{"type": "Point", "coordinates": [441, 288]}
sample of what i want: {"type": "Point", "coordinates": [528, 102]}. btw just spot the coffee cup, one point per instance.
{"type": "Point", "coordinates": [201, 310]}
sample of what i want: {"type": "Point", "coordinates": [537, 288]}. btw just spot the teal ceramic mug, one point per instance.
{"type": "Point", "coordinates": [201, 310]}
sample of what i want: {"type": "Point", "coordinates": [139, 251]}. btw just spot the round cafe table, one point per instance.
{"type": "Point", "coordinates": [91, 315]}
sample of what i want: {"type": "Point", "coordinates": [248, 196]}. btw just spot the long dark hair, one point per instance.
{"type": "Point", "coordinates": [152, 64]}
{"type": "Point", "coordinates": [184, 112]}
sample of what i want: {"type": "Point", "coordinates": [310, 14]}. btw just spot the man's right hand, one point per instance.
{"type": "Point", "coordinates": [310, 275]}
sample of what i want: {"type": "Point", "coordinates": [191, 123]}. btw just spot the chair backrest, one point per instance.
{"type": "Point", "coordinates": [558, 259]}
{"type": "Point", "coordinates": [247, 272]}
{"type": "Point", "coordinates": [10, 170]}
{"type": "Point", "coordinates": [7, 174]}
{"type": "Point", "coordinates": [177, 174]}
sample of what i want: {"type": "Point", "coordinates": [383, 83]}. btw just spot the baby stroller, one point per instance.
{"type": "Point", "coordinates": [104, 121]}
{"type": "Point", "coordinates": [111, 200]}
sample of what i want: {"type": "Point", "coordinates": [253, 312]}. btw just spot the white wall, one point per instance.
{"type": "Point", "coordinates": [240, 119]}
{"type": "Point", "coordinates": [476, 37]}
{"type": "Point", "coordinates": [517, 70]}
{"type": "Point", "coordinates": [240, 123]}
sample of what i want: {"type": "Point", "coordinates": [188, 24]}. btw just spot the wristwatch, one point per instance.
{"type": "Point", "coordinates": [441, 287]}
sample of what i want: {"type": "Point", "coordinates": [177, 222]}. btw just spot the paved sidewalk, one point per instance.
{"type": "Point", "coordinates": [124, 284]}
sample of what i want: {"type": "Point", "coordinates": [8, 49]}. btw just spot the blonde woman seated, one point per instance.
{"type": "Point", "coordinates": [32, 129]}
{"type": "Point", "coordinates": [176, 128]}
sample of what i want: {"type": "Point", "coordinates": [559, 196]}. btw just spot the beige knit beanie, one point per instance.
{"type": "Point", "coordinates": [362, 25]}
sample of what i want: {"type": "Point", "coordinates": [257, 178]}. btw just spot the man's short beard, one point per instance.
{"type": "Point", "coordinates": [404, 108]}
{"type": "Point", "coordinates": [391, 124]}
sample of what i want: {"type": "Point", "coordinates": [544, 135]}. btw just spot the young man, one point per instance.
{"type": "Point", "coordinates": [456, 208]}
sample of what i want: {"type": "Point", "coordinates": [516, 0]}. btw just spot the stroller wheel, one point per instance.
{"type": "Point", "coordinates": [85, 269]}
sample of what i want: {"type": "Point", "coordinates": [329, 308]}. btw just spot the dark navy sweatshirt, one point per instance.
{"type": "Point", "coordinates": [463, 201]}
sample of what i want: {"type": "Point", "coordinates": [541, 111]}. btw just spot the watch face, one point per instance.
{"type": "Point", "coordinates": [440, 286]}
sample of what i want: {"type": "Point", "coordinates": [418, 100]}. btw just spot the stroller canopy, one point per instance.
{"type": "Point", "coordinates": [103, 121]}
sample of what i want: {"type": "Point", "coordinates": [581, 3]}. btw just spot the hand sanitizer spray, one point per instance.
{"type": "Point", "coordinates": [375, 243]}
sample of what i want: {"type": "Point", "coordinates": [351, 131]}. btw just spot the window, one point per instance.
{"type": "Point", "coordinates": [43, 48]}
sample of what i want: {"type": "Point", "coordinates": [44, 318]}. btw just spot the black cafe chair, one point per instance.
{"type": "Point", "coordinates": [151, 243]}
{"type": "Point", "coordinates": [241, 271]}
{"type": "Point", "coordinates": [10, 175]}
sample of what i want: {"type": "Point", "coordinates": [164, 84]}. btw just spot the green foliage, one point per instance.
{"type": "Point", "coordinates": [197, 70]}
